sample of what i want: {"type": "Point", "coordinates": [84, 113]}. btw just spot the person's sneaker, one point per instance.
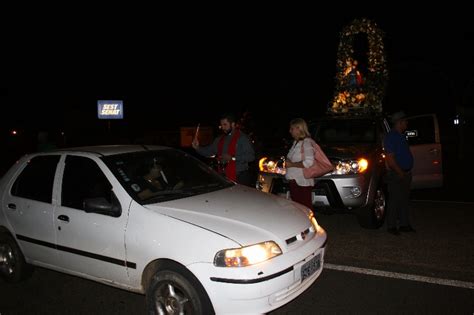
{"type": "Point", "coordinates": [393, 231]}
{"type": "Point", "coordinates": [407, 228]}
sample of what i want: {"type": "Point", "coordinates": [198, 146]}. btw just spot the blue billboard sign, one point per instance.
{"type": "Point", "coordinates": [110, 109]}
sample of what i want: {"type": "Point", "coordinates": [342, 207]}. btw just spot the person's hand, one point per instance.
{"type": "Point", "coordinates": [154, 172]}
{"type": "Point", "coordinates": [226, 157]}
{"type": "Point", "coordinates": [195, 143]}
{"type": "Point", "coordinates": [288, 164]}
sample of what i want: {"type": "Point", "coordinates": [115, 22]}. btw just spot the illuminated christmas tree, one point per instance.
{"type": "Point", "coordinates": [353, 91]}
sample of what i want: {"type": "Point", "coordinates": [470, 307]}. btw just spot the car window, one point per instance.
{"type": "Point", "coordinates": [83, 179]}
{"type": "Point", "coordinates": [37, 178]}
{"type": "Point", "coordinates": [420, 130]}
{"type": "Point", "coordinates": [156, 176]}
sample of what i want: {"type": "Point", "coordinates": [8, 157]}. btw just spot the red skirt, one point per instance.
{"type": "Point", "coordinates": [301, 194]}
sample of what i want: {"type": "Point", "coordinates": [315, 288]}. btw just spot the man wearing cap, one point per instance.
{"type": "Point", "coordinates": [399, 162]}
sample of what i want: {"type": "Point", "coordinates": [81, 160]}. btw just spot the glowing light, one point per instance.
{"type": "Point", "coordinates": [363, 165]}
{"type": "Point", "coordinates": [351, 167]}
{"type": "Point", "coordinates": [110, 109]}
{"type": "Point", "coordinates": [314, 223]}
{"type": "Point", "coordinates": [255, 254]}
{"type": "Point", "coordinates": [14, 132]}
{"type": "Point", "coordinates": [261, 163]}
{"type": "Point", "coordinates": [357, 91]}
{"type": "Point", "coordinates": [269, 166]}
{"type": "Point", "coordinates": [246, 256]}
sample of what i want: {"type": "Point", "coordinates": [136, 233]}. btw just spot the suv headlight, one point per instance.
{"type": "Point", "coordinates": [351, 167]}
{"type": "Point", "coordinates": [314, 223]}
{"type": "Point", "coordinates": [272, 166]}
{"type": "Point", "coordinates": [247, 256]}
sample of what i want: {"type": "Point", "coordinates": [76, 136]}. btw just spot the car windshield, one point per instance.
{"type": "Point", "coordinates": [161, 175]}
{"type": "Point", "coordinates": [345, 131]}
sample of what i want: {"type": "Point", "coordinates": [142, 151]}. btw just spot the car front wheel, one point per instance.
{"type": "Point", "coordinates": [373, 216]}
{"type": "Point", "coordinates": [13, 267]}
{"type": "Point", "coordinates": [172, 293]}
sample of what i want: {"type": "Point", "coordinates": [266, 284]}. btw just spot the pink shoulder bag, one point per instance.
{"type": "Point", "coordinates": [321, 165]}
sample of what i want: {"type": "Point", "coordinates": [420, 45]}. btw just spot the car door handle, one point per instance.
{"type": "Point", "coordinates": [12, 206]}
{"type": "Point", "coordinates": [64, 218]}
{"type": "Point", "coordinates": [434, 150]}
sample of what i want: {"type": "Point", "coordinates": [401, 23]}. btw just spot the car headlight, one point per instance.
{"type": "Point", "coordinates": [314, 223]}
{"type": "Point", "coordinates": [272, 166]}
{"type": "Point", "coordinates": [351, 167]}
{"type": "Point", "coordinates": [247, 256]}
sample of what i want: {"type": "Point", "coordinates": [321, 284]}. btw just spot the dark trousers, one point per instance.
{"type": "Point", "coordinates": [302, 194]}
{"type": "Point", "coordinates": [245, 178]}
{"type": "Point", "coordinates": [398, 199]}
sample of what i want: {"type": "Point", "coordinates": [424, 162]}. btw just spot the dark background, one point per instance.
{"type": "Point", "coordinates": [184, 69]}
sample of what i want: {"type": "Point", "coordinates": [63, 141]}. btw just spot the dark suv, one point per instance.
{"type": "Point", "coordinates": [354, 144]}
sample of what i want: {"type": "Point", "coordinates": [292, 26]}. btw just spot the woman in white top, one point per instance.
{"type": "Point", "coordinates": [297, 159]}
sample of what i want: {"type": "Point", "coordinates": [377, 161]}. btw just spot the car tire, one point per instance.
{"type": "Point", "coordinates": [373, 216]}
{"type": "Point", "coordinates": [170, 292]}
{"type": "Point", "coordinates": [13, 267]}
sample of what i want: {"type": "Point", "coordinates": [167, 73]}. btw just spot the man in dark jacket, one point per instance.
{"type": "Point", "coordinates": [233, 151]}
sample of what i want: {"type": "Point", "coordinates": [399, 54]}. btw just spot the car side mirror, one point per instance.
{"type": "Point", "coordinates": [102, 206]}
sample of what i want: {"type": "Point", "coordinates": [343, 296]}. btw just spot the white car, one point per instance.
{"type": "Point", "coordinates": [157, 221]}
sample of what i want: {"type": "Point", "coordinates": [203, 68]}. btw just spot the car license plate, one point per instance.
{"type": "Point", "coordinates": [310, 267]}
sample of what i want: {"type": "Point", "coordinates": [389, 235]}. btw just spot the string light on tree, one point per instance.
{"type": "Point", "coordinates": [354, 91]}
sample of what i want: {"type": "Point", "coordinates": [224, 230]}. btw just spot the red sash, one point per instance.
{"type": "Point", "coordinates": [229, 168]}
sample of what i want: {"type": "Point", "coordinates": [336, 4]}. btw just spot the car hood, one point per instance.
{"type": "Point", "coordinates": [240, 213]}
{"type": "Point", "coordinates": [347, 151]}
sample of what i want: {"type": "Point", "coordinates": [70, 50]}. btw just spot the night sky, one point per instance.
{"type": "Point", "coordinates": [181, 72]}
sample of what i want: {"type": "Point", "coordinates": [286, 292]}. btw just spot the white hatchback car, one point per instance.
{"type": "Point", "coordinates": [157, 221]}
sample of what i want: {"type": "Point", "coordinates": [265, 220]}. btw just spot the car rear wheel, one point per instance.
{"type": "Point", "coordinates": [13, 267]}
{"type": "Point", "coordinates": [170, 292]}
{"type": "Point", "coordinates": [373, 216]}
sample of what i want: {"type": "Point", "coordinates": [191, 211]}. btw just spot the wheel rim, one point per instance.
{"type": "Point", "coordinates": [379, 204]}
{"type": "Point", "coordinates": [171, 300]}
{"type": "Point", "coordinates": [7, 260]}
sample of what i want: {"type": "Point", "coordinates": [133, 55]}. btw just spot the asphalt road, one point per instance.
{"type": "Point", "coordinates": [441, 249]}
{"type": "Point", "coordinates": [345, 293]}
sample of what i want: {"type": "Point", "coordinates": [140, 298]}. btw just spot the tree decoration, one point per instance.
{"type": "Point", "coordinates": [353, 90]}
